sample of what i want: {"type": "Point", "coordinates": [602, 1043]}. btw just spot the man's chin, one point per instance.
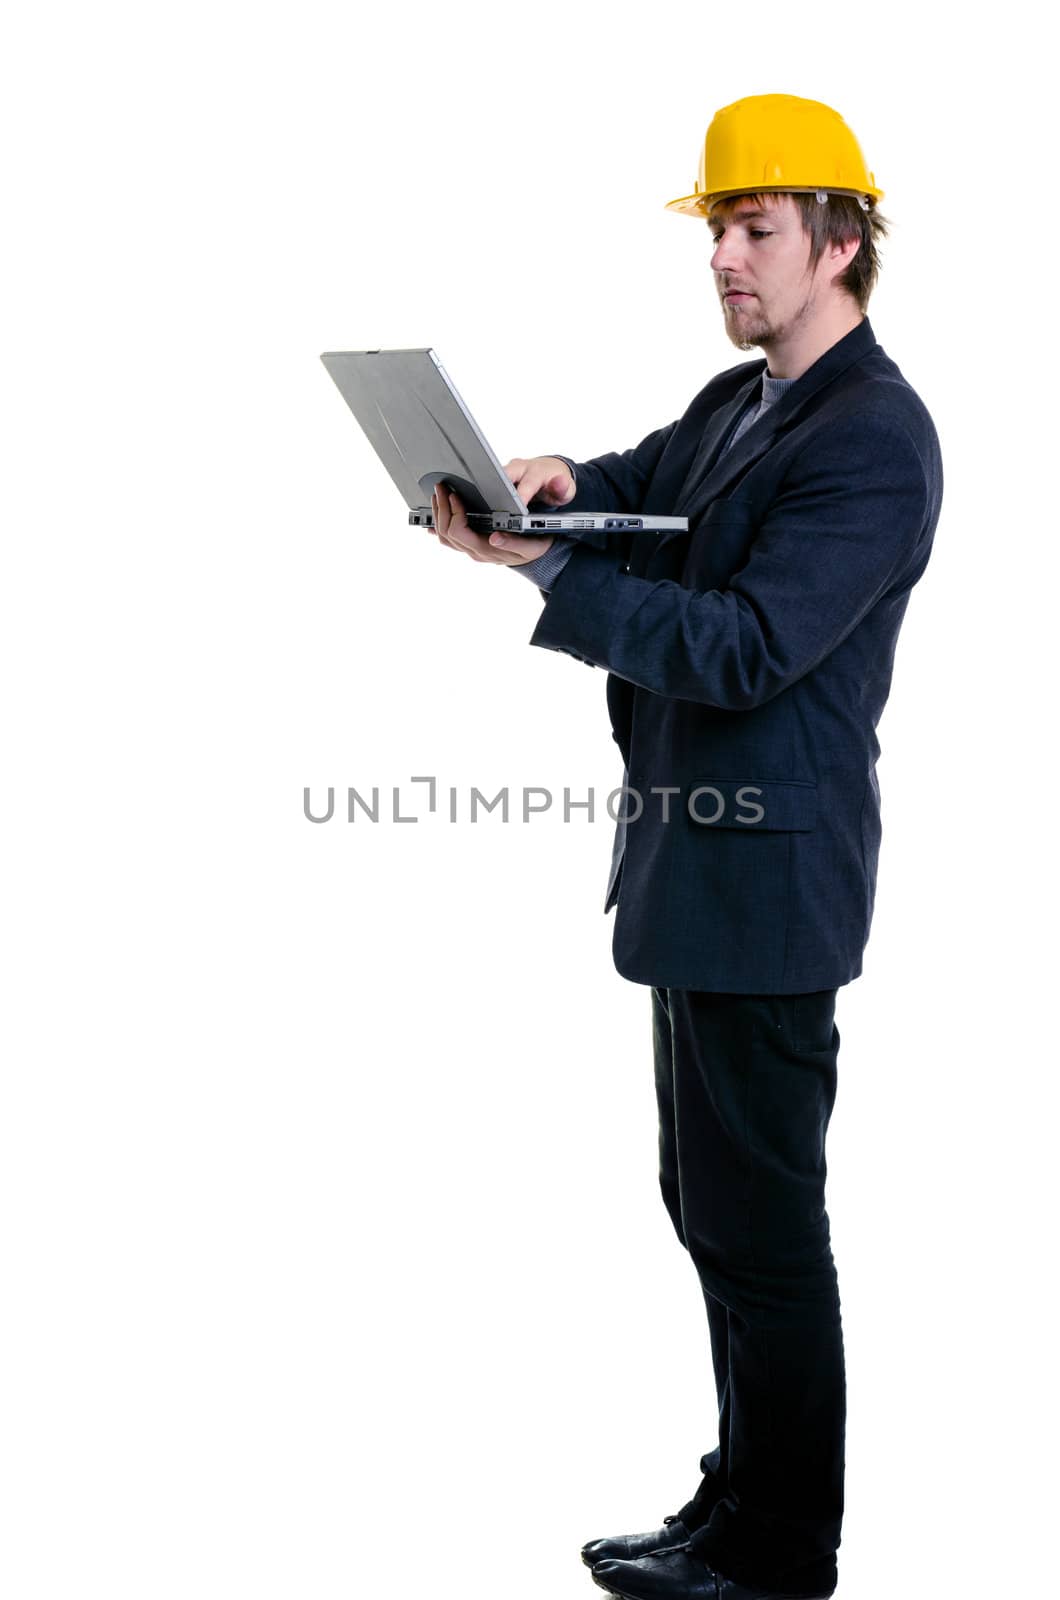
{"type": "Point", "coordinates": [746, 329]}
{"type": "Point", "coordinates": [743, 338]}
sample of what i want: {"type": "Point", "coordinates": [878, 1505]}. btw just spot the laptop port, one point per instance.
{"type": "Point", "coordinates": [534, 523]}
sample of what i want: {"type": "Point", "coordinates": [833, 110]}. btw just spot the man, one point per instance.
{"type": "Point", "coordinates": [749, 661]}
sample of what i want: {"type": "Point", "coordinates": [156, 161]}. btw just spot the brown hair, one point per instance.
{"type": "Point", "coordinates": [839, 219]}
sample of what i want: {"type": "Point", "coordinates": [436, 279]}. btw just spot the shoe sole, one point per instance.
{"type": "Point", "coordinates": [601, 1583]}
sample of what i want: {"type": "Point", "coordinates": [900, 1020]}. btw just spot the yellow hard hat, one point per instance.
{"type": "Point", "coordinates": [777, 143]}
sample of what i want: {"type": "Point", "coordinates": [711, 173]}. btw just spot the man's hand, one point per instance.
{"type": "Point", "coordinates": [544, 476]}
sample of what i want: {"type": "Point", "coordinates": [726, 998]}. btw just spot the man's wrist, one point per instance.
{"type": "Point", "coordinates": [545, 569]}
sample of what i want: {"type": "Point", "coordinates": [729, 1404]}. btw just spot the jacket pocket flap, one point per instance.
{"type": "Point", "coordinates": [760, 805]}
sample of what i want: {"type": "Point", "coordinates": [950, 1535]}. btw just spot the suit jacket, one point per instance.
{"type": "Point", "coordinates": [749, 661]}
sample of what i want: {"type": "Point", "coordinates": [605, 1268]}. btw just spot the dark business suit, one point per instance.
{"type": "Point", "coordinates": [754, 653]}
{"type": "Point", "coordinates": [749, 661]}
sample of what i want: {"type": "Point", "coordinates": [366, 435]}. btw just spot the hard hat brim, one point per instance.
{"type": "Point", "coordinates": [700, 205]}
{"type": "Point", "coordinates": [692, 205]}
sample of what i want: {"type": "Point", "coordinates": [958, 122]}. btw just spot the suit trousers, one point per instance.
{"type": "Point", "coordinates": [746, 1085]}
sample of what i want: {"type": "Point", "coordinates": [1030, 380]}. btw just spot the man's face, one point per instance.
{"type": "Point", "coordinates": [760, 248]}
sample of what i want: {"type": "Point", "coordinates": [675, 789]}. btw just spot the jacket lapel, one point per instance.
{"type": "Point", "coordinates": [717, 431]}
{"type": "Point", "coordinates": [710, 476]}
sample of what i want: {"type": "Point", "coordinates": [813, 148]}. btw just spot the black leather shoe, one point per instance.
{"type": "Point", "coordinates": [677, 1575]}
{"type": "Point", "coordinates": [631, 1546]}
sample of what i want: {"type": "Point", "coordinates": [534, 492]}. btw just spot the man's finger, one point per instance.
{"type": "Point", "coordinates": [520, 546]}
{"type": "Point", "coordinates": [458, 530]}
{"type": "Point", "coordinates": [444, 520]}
{"type": "Point", "coordinates": [530, 486]}
{"type": "Point", "coordinates": [458, 534]}
{"type": "Point", "coordinates": [528, 483]}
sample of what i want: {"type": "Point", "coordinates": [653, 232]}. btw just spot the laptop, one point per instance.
{"type": "Point", "coordinates": [424, 434]}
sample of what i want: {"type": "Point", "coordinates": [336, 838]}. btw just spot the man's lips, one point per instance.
{"type": "Point", "coordinates": [738, 294]}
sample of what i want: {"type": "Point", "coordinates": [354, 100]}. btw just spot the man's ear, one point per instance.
{"type": "Point", "coordinates": [841, 255]}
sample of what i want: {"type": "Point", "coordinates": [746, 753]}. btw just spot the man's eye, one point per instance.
{"type": "Point", "coordinates": [756, 233]}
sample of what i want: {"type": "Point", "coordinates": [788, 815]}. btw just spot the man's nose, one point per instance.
{"type": "Point", "coordinates": [724, 257]}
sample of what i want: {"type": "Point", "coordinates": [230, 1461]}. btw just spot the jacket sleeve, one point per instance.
{"type": "Point", "coordinates": [845, 525]}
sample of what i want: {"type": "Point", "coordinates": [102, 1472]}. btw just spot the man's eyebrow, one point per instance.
{"type": "Point", "coordinates": [737, 216]}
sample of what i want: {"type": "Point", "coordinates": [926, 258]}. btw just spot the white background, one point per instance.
{"type": "Point", "coordinates": [333, 1257]}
